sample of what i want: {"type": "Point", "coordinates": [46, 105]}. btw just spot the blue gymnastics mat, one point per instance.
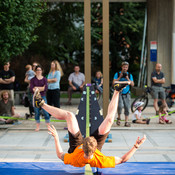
{"type": "Point", "coordinates": [59, 168]}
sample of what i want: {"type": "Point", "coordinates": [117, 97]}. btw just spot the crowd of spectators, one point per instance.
{"type": "Point", "coordinates": [50, 91]}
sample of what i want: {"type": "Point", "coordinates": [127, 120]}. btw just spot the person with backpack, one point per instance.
{"type": "Point", "coordinates": [124, 97]}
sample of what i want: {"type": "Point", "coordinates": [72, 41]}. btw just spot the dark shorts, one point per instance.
{"type": "Point", "coordinates": [77, 139]}
{"type": "Point", "coordinates": [134, 121]}
{"type": "Point", "coordinates": [158, 92]}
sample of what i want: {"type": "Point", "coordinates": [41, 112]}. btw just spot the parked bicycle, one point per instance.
{"type": "Point", "coordinates": [170, 96]}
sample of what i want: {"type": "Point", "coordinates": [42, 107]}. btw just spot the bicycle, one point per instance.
{"type": "Point", "coordinates": [170, 96]}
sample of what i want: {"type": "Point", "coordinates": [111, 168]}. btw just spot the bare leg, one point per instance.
{"type": "Point", "coordinates": [112, 109]}
{"type": "Point", "coordinates": [140, 121]}
{"type": "Point", "coordinates": [61, 114]}
{"type": "Point", "coordinates": [9, 121]}
{"type": "Point", "coordinates": [37, 127]}
{"type": "Point", "coordinates": [164, 102]}
{"type": "Point", "coordinates": [156, 105]}
{"type": "Point", "coordinates": [48, 124]}
{"type": "Point", "coordinates": [126, 118]}
{"type": "Point", "coordinates": [70, 94]}
{"type": "Point", "coordinates": [1, 119]}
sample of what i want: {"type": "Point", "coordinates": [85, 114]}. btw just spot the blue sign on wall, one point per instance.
{"type": "Point", "coordinates": [153, 51]}
{"type": "Point", "coordinates": [153, 55]}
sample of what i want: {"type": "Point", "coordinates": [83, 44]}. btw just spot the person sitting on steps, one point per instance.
{"type": "Point", "coordinates": [76, 82]}
{"type": "Point", "coordinates": [7, 109]}
{"type": "Point", "coordinates": [137, 116]}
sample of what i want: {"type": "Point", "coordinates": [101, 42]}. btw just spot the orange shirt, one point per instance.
{"type": "Point", "coordinates": [99, 160]}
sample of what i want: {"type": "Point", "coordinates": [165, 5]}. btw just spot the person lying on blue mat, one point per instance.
{"type": "Point", "coordinates": [87, 150]}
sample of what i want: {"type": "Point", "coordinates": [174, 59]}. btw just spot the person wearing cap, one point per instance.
{"type": "Point", "coordinates": [137, 116]}
{"type": "Point", "coordinates": [124, 97]}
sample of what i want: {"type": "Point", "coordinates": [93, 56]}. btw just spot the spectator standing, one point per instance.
{"type": "Point", "coordinates": [76, 82]}
{"type": "Point", "coordinates": [30, 73]}
{"type": "Point", "coordinates": [157, 79]}
{"type": "Point", "coordinates": [53, 79]}
{"type": "Point", "coordinates": [7, 108]}
{"type": "Point", "coordinates": [124, 97]}
{"type": "Point", "coordinates": [39, 82]}
{"type": "Point", "coordinates": [7, 79]}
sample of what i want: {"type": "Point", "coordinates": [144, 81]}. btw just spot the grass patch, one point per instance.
{"type": "Point", "coordinates": [78, 95]}
{"type": "Point", "coordinates": [65, 95]}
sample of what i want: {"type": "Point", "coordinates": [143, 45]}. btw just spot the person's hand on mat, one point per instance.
{"type": "Point", "coordinates": [53, 131]}
{"type": "Point", "coordinates": [139, 141]}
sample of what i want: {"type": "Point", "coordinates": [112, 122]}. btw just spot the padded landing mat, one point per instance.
{"type": "Point", "coordinates": [58, 168]}
{"type": "Point", "coordinates": [141, 168]}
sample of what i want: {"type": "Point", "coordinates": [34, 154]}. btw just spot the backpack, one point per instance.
{"type": "Point", "coordinates": [26, 102]}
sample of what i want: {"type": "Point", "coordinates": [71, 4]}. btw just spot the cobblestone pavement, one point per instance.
{"type": "Point", "coordinates": [22, 143]}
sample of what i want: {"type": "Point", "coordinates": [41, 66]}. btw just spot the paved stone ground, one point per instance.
{"type": "Point", "coordinates": [22, 144]}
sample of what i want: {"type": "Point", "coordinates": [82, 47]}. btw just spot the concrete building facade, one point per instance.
{"type": "Point", "coordinates": [161, 28]}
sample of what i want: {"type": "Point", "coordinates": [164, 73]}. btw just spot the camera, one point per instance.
{"type": "Point", "coordinates": [124, 75]}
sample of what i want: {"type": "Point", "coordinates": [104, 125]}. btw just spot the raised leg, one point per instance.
{"type": "Point", "coordinates": [61, 114]}
{"type": "Point", "coordinates": [112, 109]}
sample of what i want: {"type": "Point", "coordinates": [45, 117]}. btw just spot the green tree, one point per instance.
{"type": "Point", "coordinates": [18, 20]}
{"type": "Point", "coordinates": [126, 30]}
{"type": "Point", "coordinates": [61, 33]}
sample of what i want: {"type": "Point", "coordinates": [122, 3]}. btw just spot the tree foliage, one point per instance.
{"type": "Point", "coordinates": [61, 36]}
{"type": "Point", "coordinates": [61, 33]}
{"type": "Point", "coordinates": [126, 31]}
{"type": "Point", "coordinates": [18, 20]}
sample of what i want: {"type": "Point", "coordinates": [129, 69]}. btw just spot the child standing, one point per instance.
{"type": "Point", "coordinates": [163, 119]}
{"type": "Point", "coordinates": [137, 116]}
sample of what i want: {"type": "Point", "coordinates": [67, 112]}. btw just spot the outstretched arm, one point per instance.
{"type": "Point", "coordinates": [59, 150]}
{"type": "Point", "coordinates": [130, 153]}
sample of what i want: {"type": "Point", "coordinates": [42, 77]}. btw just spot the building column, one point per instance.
{"type": "Point", "coordinates": [105, 56]}
{"type": "Point", "coordinates": [160, 30]}
{"type": "Point", "coordinates": [87, 40]}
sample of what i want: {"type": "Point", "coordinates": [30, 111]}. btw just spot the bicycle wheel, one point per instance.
{"type": "Point", "coordinates": [169, 101]}
{"type": "Point", "coordinates": [142, 99]}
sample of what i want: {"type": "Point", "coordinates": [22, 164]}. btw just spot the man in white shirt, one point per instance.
{"type": "Point", "coordinates": [76, 82]}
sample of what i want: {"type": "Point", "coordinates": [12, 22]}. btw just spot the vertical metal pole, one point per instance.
{"type": "Point", "coordinates": [173, 47]}
{"type": "Point", "coordinates": [88, 170]}
{"type": "Point", "coordinates": [105, 56]}
{"type": "Point", "coordinates": [87, 40]}
{"type": "Point", "coordinates": [143, 46]}
{"type": "Point", "coordinates": [87, 61]}
{"type": "Point", "coordinates": [87, 112]}
{"type": "Point", "coordinates": [144, 67]}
